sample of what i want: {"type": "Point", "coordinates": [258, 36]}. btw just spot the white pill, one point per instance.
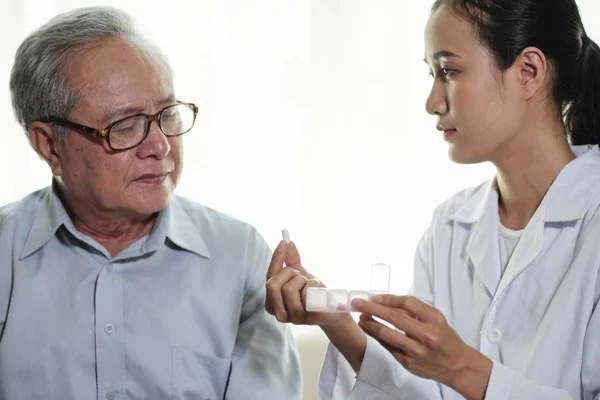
{"type": "Point", "coordinates": [286, 235]}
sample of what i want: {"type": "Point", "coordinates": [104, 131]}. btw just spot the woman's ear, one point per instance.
{"type": "Point", "coordinates": [44, 142]}
{"type": "Point", "coordinates": [532, 68]}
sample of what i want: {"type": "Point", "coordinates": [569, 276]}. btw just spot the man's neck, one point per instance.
{"type": "Point", "coordinates": [109, 228]}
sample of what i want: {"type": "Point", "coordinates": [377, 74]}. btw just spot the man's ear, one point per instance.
{"type": "Point", "coordinates": [532, 68]}
{"type": "Point", "coordinates": [44, 142]}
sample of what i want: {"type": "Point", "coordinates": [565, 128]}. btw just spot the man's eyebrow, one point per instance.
{"type": "Point", "coordinates": [440, 54]}
{"type": "Point", "coordinates": [126, 111]}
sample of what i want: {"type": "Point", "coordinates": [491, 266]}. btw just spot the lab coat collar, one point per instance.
{"type": "Point", "coordinates": [568, 198]}
{"type": "Point", "coordinates": [575, 188]}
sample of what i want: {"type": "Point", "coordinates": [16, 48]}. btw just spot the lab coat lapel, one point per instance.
{"type": "Point", "coordinates": [527, 250]}
{"type": "Point", "coordinates": [482, 248]}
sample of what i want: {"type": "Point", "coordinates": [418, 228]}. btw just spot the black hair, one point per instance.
{"type": "Point", "coordinates": [507, 27]}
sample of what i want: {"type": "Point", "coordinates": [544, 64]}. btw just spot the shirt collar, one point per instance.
{"type": "Point", "coordinates": [176, 224]}
{"type": "Point", "coordinates": [173, 222]}
{"type": "Point", "coordinates": [48, 216]}
{"type": "Point", "coordinates": [567, 199]}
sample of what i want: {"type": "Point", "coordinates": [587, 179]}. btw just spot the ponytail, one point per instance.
{"type": "Point", "coordinates": [582, 116]}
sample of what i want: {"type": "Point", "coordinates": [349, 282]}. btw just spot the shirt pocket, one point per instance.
{"type": "Point", "coordinates": [197, 376]}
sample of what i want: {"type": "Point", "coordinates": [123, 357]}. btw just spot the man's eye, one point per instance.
{"type": "Point", "coordinates": [124, 128]}
{"type": "Point", "coordinates": [447, 72]}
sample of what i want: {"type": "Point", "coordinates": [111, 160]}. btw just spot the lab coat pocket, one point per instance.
{"type": "Point", "coordinates": [197, 376]}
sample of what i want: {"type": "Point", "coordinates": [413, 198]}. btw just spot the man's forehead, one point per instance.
{"type": "Point", "coordinates": [101, 62]}
{"type": "Point", "coordinates": [114, 78]}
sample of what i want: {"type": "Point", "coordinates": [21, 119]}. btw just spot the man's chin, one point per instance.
{"type": "Point", "coordinates": [150, 203]}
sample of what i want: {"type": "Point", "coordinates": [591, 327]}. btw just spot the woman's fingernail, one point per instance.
{"type": "Point", "coordinates": [281, 245]}
{"type": "Point", "coordinates": [357, 302]}
{"type": "Point", "coordinates": [286, 235]}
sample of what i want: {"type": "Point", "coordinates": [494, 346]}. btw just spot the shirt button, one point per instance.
{"type": "Point", "coordinates": [109, 328]}
{"type": "Point", "coordinates": [110, 395]}
{"type": "Point", "coordinates": [494, 335]}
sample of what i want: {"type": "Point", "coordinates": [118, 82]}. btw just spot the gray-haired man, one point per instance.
{"type": "Point", "coordinates": [110, 286]}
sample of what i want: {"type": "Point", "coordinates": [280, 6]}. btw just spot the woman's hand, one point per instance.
{"type": "Point", "coordinates": [287, 287]}
{"type": "Point", "coordinates": [427, 346]}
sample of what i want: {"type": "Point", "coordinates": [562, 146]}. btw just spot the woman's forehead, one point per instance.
{"type": "Point", "coordinates": [447, 34]}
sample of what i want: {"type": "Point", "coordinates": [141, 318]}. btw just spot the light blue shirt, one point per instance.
{"type": "Point", "coordinates": [179, 314]}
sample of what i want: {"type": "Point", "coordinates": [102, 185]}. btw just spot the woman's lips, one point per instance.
{"type": "Point", "coordinates": [448, 133]}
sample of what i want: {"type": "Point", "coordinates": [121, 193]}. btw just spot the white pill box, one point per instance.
{"type": "Point", "coordinates": [320, 299]}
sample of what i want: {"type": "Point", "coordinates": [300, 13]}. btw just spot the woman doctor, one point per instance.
{"type": "Point", "coordinates": [506, 284]}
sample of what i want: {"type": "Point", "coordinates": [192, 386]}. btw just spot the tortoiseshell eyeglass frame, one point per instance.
{"type": "Point", "coordinates": [105, 133]}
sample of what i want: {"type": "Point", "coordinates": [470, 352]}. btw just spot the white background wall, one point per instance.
{"type": "Point", "coordinates": [311, 118]}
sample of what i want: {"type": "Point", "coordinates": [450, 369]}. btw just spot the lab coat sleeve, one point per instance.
{"type": "Point", "coordinates": [381, 376]}
{"type": "Point", "coordinates": [265, 363]}
{"type": "Point", "coordinates": [505, 384]}
{"type": "Point", "coordinates": [590, 369]}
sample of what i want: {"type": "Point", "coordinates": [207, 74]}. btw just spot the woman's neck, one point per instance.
{"type": "Point", "coordinates": [527, 169]}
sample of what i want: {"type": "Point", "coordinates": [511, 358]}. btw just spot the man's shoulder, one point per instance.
{"type": "Point", "coordinates": [23, 211]}
{"type": "Point", "coordinates": [17, 221]}
{"type": "Point", "coordinates": [198, 212]}
{"type": "Point", "coordinates": [217, 231]}
{"type": "Point", "coordinates": [213, 223]}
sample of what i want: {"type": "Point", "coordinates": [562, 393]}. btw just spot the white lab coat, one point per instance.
{"type": "Point", "coordinates": [538, 322]}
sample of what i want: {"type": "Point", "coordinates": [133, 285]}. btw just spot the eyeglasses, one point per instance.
{"type": "Point", "coordinates": [129, 132]}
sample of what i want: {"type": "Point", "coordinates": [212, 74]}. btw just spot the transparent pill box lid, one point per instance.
{"type": "Point", "coordinates": [320, 299]}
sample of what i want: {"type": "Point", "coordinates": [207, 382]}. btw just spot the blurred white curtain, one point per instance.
{"type": "Point", "coordinates": [311, 118]}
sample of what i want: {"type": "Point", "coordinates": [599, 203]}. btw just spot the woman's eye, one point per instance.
{"type": "Point", "coordinates": [443, 72]}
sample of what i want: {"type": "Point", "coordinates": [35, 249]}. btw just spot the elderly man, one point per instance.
{"type": "Point", "coordinates": [110, 286]}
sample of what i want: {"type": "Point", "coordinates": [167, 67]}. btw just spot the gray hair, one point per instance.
{"type": "Point", "coordinates": [39, 84]}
